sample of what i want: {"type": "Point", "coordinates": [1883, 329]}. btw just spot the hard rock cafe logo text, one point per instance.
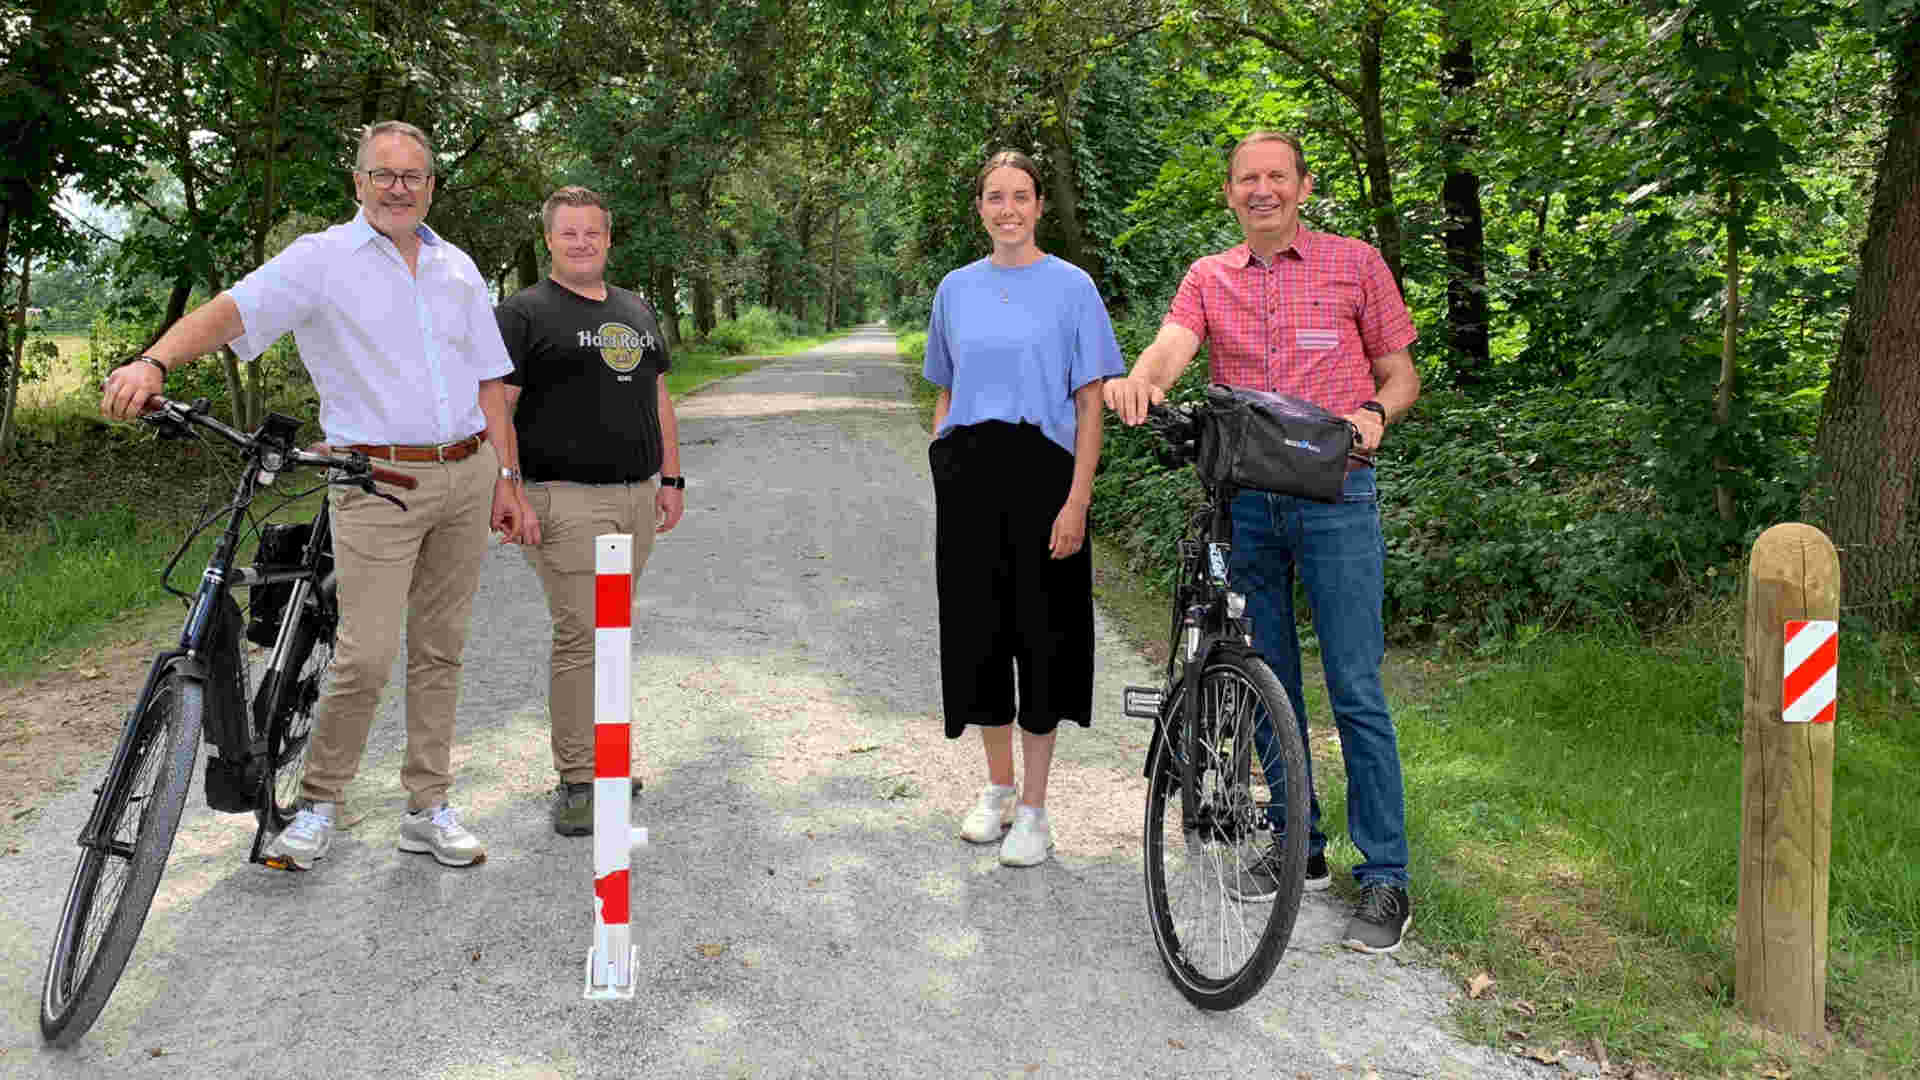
{"type": "Point", "coordinates": [620, 345]}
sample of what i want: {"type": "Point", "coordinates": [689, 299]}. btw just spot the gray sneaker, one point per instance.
{"type": "Point", "coordinates": [306, 838]}
{"type": "Point", "coordinates": [438, 832]}
{"type": "Point", "coordinates": [1380, 920]}
{"type": "Point", "coordinates": [573, 808]}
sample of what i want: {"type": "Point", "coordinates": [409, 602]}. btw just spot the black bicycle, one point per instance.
{"type": "Point", "coordinates": [257, 731]}
{"type": "Point", "coordinates": [1223, 882]}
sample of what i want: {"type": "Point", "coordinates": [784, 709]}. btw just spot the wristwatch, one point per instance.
{"type": "Point", "coordinates": [673, 481]}
{"type": "Point", "coordinates": [155, 363]}
{"type": "Point", "coordinates": [1377, 408]}
{"type": "Point", "coordinates": [509, 474]}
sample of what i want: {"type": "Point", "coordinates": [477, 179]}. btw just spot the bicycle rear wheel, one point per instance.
{"type": "Point", "coordinates": [1218, 948]}
{"type": "Point", "coordinates": [114, 881]}
{"type": "Point", "coordinates": [288, 706]}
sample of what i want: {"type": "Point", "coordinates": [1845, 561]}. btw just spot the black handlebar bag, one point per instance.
{"type": "Point", "coordinates": [1256, 441]}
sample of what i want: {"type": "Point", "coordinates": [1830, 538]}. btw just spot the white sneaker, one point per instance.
{"type": "Point", "coordinates": [989, 817]}
{"type": "Point", "coordinates": [438, 832]}
{"type": "Point", "coordinates": [306, 839]}
{"type": "Point", "coordinates": [1029, 840]}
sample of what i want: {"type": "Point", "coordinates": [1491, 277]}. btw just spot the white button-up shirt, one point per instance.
{"type": "Point", "coordinates": [396, 357]}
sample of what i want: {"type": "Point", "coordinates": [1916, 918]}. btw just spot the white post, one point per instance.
{"type": "Point", "coordinates": [611, 960]}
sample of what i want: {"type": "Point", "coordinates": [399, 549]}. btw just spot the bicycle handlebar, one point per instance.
{"type": "Point", "coordinates": [162, 410]}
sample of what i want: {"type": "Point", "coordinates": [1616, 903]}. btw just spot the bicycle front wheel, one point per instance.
{"type": "Point", "coordinates": [288, 706]}
{"type": "Point", "coordinates": [1224, 889]}
{"type": "Point", "coordinates": [119, 869]}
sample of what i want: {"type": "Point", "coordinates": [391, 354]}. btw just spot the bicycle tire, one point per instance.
{"type": "Point", "coordinates": [288, 705]}
{"type": "Point", "coordinates": [112, 891]}
{"type": "Point", "coordinates": [1218, 950]}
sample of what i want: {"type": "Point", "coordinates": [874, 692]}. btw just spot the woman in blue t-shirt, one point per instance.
{"type": "Point", "coordinates": [1018, 343]}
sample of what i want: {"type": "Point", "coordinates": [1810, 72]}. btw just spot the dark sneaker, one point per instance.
{"type": "Point", "coordinates": [1258, 881]}
{"type": "Point", "coordinates": [573, 808]}
{"type": "Point", "coordinates": [1318, 878]}
{"type": "Point", "coordinates": [1380, 920]}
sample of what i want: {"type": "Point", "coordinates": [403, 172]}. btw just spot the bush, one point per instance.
{"type": "Point", "coordinates": [1525, 511]}
{"type": "Point", "coordinates": [757, 329]}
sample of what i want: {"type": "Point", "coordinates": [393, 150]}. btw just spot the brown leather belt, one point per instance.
{"type": "Point", "coordinates": [453, 451]}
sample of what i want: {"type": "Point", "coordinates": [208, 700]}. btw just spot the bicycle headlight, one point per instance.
{"type": "Point", "coordinates": [1236, 604]}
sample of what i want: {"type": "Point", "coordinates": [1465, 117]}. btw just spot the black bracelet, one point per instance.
{"type": "Point", "coordinates": [673, 481]}
{"type": "Point", "coordinates": [155, 363]}
{"type": "Point", "coordinates": [1376, 407]}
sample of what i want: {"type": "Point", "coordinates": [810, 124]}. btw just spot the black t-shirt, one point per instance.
{"type": "Point", "coordinates": [589, 410]}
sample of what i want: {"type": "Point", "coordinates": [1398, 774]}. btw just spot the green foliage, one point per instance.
{"type": "Point", "coordinates": [756, 330]}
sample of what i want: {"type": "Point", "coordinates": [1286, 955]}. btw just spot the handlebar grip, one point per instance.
{"type": "Point", "coordinates": [396, 479]}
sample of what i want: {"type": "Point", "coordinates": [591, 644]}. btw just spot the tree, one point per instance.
{"type": "Point", "coordinates": [1869, 441]}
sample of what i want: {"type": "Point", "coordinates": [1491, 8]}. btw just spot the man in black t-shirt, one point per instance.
{"type": "Point", "coordinates": [595, 426]}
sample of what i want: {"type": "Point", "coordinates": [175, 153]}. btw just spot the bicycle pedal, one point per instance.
{"type": "Point", "coordinates": [1141, 702]}
{"type": "Point", "coordinates": [281, 862]}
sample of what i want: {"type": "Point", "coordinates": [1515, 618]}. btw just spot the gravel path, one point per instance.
{"type": "Point", "coordinates": [805, 909]}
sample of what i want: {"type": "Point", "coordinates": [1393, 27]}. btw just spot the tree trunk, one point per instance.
{"type": "Point", "coordinates": [176, 307]}
{"type": "Point", "coordinates": [1465, 231]}
{"type": "Point", "coordinates": [1869, 442]}
{"type": "Point", "coordinates": [527, 264]}
{"type": "Point", "coordinates": [1729, 347]}
{"type": "Point", "coordinates": [833, 269]}
{"type": "Point", "coordinates": [18, 339]}
{"type": "Point", "coordinates": [703, 267]}
{"type": "Point", "coordinates": [665, 304]}
{"type": "Point", "coordinates": [1063, 182]}
{"type": "Point", "coordinates": [1386, 217]}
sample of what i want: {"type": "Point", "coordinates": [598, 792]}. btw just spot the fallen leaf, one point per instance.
{"type": "Point", "coordinates": [1514, 1036]}
{"type": "Point", "coordinates": [861, 748]}
{"type": "Point", "coordinates": [1478, 986]}
{"type": "Point", "coordinates": [476, 956]}
{"type": "Point", "coordinates": [1524, 1008]}
{"type": "Point", "coordinates": [1773, 1072]}
{"type": "Point", "coordinates": [156, 1052]}
{"type": "Point", "coordinates": [1542, 1055]}
{"type": "Point", "coordinates": [1176, 1044]}
{"type": "Point", "coordinates": [813, 882]}
{"type": "Point", "coordinates": [710, 951]}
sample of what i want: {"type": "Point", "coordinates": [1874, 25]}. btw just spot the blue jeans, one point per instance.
{"type": "Point", "coordinates": [1340, 556]}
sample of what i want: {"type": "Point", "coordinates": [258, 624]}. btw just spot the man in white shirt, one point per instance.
{"type": "Point", "coordinates": [396, 328]}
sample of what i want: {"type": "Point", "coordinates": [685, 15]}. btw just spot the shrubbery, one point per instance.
{"type": "Point", "coordinates": [756, 330]}
{"type": "Point", "coordinates": [1532, 510]}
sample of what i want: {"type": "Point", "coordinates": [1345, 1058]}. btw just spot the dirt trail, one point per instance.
{"type": "Point", "coordinates": [806, 908]}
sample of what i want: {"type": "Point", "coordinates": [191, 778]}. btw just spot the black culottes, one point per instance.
{"type": "Point", "coordinates": [1009, 613]}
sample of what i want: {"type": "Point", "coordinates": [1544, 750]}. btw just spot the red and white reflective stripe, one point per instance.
{"type": "Point", "coordinates": [609, 966]}
{"type": "Point", "coordinates": [1810, 686]}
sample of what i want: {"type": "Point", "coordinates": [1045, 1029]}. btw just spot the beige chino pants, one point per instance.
{"type": "Point", "coordinates": [414, 570]}
{"type": "Point", "coordinates": [571, 515]}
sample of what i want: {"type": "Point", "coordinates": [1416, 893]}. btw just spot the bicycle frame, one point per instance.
{"type": "Point", "coordinates": [267, 455]}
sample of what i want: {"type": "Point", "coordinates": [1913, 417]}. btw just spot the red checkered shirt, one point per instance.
{"type": "Point", "coordinates": [1309, 323]}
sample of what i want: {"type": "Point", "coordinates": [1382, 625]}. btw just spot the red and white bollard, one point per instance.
{"type": "Point", "coordinates": [611, 961]}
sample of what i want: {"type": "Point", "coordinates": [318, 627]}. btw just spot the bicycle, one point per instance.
{"type": "Point", "coordinates": [1219, 716]}
{"type": "Point", "coordinates": [257, 744]}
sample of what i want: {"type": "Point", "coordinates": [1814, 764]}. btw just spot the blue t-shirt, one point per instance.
{"type": "Point", "coordinates": [1014, 342]}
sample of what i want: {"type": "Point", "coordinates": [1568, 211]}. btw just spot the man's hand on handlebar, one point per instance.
{"type": "Point", "coordinates": [127, 390]}
{"type": "Point", "coordinates": [1129, 396]}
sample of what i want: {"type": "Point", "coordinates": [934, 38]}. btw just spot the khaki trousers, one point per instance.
{"type": "Point", "coordinates": [415, 569]}
{"type": "Point", "coordinates": [571, 515]}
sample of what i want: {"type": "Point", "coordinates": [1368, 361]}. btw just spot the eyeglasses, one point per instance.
{"type": "Point", "coordinates": [385, 179]}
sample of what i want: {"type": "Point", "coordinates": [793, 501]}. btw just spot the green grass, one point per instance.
{"type": "Point", "coordinates": [1574, 810]}
{"type": "Point", "coordinates": [1579, 805]}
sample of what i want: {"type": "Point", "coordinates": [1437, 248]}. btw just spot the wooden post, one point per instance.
{"type": "Point", "coordinates": [1786, 801]}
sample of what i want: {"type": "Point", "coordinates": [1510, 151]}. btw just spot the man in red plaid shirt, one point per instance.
{"type": "Point", "coordinates": [1316, 316]}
